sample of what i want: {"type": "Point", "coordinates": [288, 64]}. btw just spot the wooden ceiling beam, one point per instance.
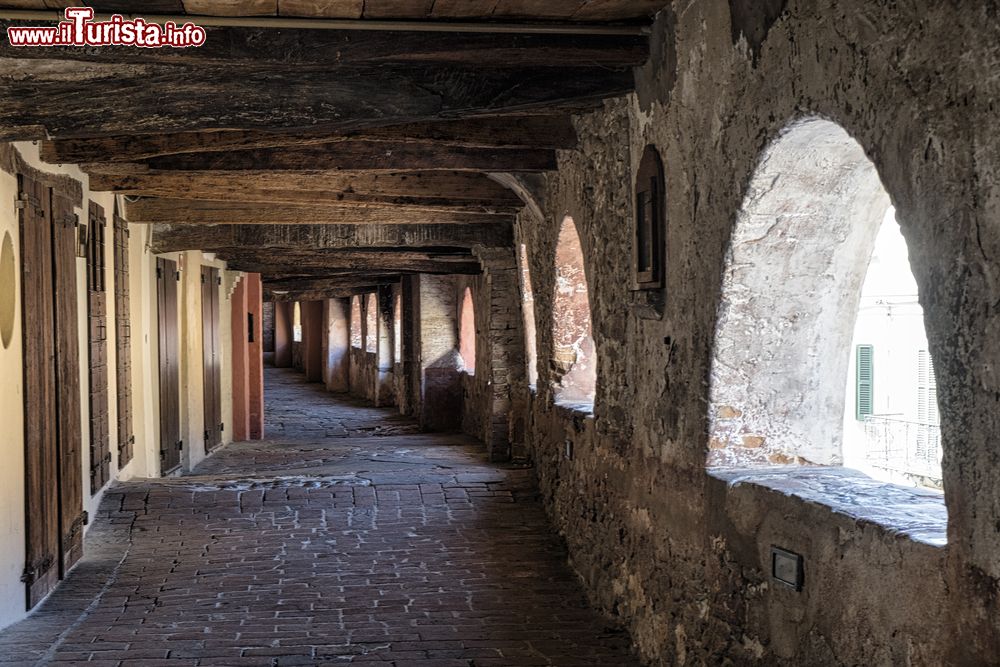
{"type": "Point", "coordinates": [72, 99]}
{"type": "Point", "coordinates": [316, 289]}
{"type": "Point", "coordinates": [554, 131]}
{"type": "Point", "coordinates": [172, 238]}
{"type": "Point", "coordinates": [450, 189]}
{"type": "Point", "coordinates": [204, 212]}
{"type": "Point", "coordinates": [237, 261]}
{"type": "Point", "coordinates": [331, 50]}
{"type": "Point", "coordinates": [355, 155]}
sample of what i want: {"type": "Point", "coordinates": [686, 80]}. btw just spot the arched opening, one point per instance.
{"type": "Point", "coordinates": [297, 323]}
{"type": "Point", "coordinates": [397, 328]}
{"type": "Point", "coordinates": [467, 332]}
{"type": "Point", "coordinates": [371, 323]}
{"type": "Point", "coordinates": [574, 354]}
{"type": "Point", "coordinates": [785, 341]}
{"type": "Point", "coordinates": [356, 322]}
{"type": "Point", "coordinates": [528, 308]}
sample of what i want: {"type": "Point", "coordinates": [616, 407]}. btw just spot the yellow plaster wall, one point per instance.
{"type": "Point", "coordinates": [145, 375]}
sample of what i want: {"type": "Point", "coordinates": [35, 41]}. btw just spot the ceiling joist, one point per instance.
{"type": "Point", "coordinates": [551, 132]}
{"type": "Point", "coordinates": [281, 238]}
{"type": "Point", "coordinates": [204, 212]}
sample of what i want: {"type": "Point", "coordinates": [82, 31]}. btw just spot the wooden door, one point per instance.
{"type": "Point", "coordinates": [170, 417]}
{"type": "Point", "coordinates": [123, 343]}
{"type": "Point", "coordinates": [212, 356]}
{"type": "Point", "coordinates": [97, 317]}
{"type": "Point", "coordinates": [41, 571]}
{"type": "Point", "coordinates": [54, 515]}
{"type": "Point", "coordinates": [67, 346]}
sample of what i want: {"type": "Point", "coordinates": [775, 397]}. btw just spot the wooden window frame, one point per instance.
{"type": "Point", "coordinates": [650, 226]}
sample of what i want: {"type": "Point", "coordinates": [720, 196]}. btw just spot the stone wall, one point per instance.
{"type": "Point", "coordinates": [681, 557]}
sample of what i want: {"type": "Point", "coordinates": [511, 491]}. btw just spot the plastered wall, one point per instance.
{"type": "Point", "coordinates": [145, 398]}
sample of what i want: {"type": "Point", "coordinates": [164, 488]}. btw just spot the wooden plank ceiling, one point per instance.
{"type": "Point", "coordinates": [329, 160]}
{"type": "Point", "coordinates": [465, 10]}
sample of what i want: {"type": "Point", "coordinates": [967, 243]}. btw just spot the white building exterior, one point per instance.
{"type": "Point", "coordinates": [896, 437]}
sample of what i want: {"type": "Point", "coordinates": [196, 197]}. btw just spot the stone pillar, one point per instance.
{"type": "Point", "coordinates": [283, 334]}
{"type": "Point", "coordinates": [337, 344]}
{"type": "Point", "coordinates": [440, 396]}
{"type": "Point", "coordinates": [312, 340]}
{"type": "Point", "coordinates": [255, 355]}
{"type": "Point", "coordinates": [241, 377]}
{"type": "Point", "coordinates": [506, 358]}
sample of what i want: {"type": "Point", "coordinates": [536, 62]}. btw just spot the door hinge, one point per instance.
{"type": "Point", "coordinates": [203, 279]}
{"type": "Point", "coordinates": [177, 275]}
{"type": "Point", "coordinates": [207, 436]}
{"type": "Point", "coordinates": [159, 272]}
{"type": "Point", "coordinates": [180, 445]}
{"type": "Point", "coordinates": [86, 517]}
{"type": "Point", "coordinates": [222, 427]}
{"type": "Point", "coordinates": [20, 204]}
{"type": "Point", "coordinates": [218, 280]}
{"type": "Point", "coordinates": [33, 570]}
{"type": "Point", "coordinates": [163, 455]}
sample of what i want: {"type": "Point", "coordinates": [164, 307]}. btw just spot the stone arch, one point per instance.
{"type": "Point", "coordinates": [371, 323]}
{"type": "Point", "coordinates": [356, 321]}
{"type": "Point", "coordinates": [397, 327]}
{"type": "Point", "coordinates": [574, 356]}
{"type": "Point", "coordinates": [528, 311]}
{"type": "Point", "coordinates": [798, 256]}
{"type": "Point", "coordinates": [467, 331]}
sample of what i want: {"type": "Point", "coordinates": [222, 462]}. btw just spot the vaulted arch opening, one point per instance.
{"type": "Point", "coordinates": [467, 332]}
{"type": "Point", "coordinates": [815, 216]}
{"type": "Point", "coordinates": [528, 310]}
{"type": "Point", "coordinates": [356, 322]}
{"type": "Point", "coordinates": [574, 355]}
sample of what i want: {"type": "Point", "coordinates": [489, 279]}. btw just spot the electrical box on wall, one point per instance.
{"type": "Point", "coordinates": [786, 568]}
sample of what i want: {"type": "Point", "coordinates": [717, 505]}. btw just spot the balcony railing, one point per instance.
{"type": "Point", "coordinates": [909, 447]}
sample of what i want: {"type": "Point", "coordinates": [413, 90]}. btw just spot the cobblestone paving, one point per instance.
{"type": "Point", "coordinates": [347, 536]}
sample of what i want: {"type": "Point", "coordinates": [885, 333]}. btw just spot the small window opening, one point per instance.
{"type": "Point", "coordinates": [650, 221]}
{"type": "Point", "coordinates": [467, 332]}
{"type": "Point", "coordinates": [574, 354]}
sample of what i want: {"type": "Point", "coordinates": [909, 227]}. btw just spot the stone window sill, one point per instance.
{"type": "Point", "coordinates": [918, 514]}
{"type": "Point", "coordinates": [576, 409]}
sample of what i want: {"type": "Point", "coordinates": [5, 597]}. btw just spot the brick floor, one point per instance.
{"type": "Point", "coordinates": [348, 536]}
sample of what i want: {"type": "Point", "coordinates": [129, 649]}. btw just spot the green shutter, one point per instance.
{"type": "Point", "coordinates": [865, 375]}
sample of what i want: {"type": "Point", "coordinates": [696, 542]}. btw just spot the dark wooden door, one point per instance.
{"type": "Point", "coordinates": [41, 571]}
{"type": "Point", "coordinates": [97, 317]}
{"type": "Point", "coordinates": [212, 356]}
{"type": "Point", "coordinates": [123, 343]}
{"type": "Point", "coordinates": [67, 342]}
{"type": "Point", "coordinates": [170, 418]}
{"type": "Point", "coordinates": [53, 486]}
